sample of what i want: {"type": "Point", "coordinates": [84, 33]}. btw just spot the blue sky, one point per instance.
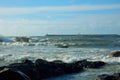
{"type": "Point", "coordinates": [39, 17]}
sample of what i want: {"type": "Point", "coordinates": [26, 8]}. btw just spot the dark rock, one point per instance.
{"type": "Point", "coordinates": [68, 67]}
{"type": "Point", "coordinates": [10, 74]}
{"type": "Point", "coordinates": [89, 64]}
{"type": "Point", "coordinates": [22, 39]}
{"type": "Point", "coordinates": [27, 67]}
{"type": "Point", "coordinates": [96, 64]}
{"type": "Point", "coordinates": [106, 77]}
{"type": "Point", "coordinates": [116, 54]}
{"type": "Point", "coordinates": [63, 46]}
{"type": "Point", "coordinates": [55, 68]}
{"type": "Point", "coordinates": [43, 69]}
{"type": "Point", "coordinates": [82, 63]}
{"type": "Point", "coordinates": [1, 68]}
{"type": "Point", "coordinates": [58, 63]}
{"type": "Point", "coordinates": [73, 68]}
{"type": "Point", "coordinates": [117, 75]}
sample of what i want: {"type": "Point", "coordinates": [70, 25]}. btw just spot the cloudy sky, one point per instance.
{"type": "Point", "coordinates": [39, 17]}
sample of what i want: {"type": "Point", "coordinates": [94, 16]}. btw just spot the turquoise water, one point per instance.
{"type": "Point", "coordinates": [91, 47]}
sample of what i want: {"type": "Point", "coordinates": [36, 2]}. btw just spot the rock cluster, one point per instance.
{"type": "Point", "coordinates": [41, 69]}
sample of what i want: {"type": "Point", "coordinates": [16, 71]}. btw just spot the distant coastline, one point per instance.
{"type": "Point", "coordinates": [82, 35]}
{"type": "Point", "coordinates": [62, 34]}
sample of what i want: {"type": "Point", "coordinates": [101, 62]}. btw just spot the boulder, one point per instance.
{"type": "Point", "coordinates": [26, 67]}
{"type": "Point", "coordinates": [2, 67]}
{"type": "Point", "coordinates": [117, 75]}
{"type": "Point", "coordinates": [43, 69]}
{"type": "Point", "coordinates": [47, 69]}
{"type": "Point", "coordinates": [96, 64]}
{"type": "Point", "coordinates": [116, 54]}
{"type": "Point", "coordinates": [58, 67]}
{"type": "Point", "coordinates": [90, 64]}
{"type": "Point", "coordinates": [106, 77]}
{"type": "Point", "coordinates": [22, 39]}
{"type": "Point", "coordinates": [62, 46]}
{"type": "Point", "coordinates": [10, 74]}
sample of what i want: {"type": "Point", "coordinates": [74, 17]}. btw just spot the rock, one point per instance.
{"type": "Point", "coordinates": [72, 68]}
{"type": "Point", "coordinates": [58, 67]}
{"type": "Point", "coordinates": [47, 69]}
{"type": "Point", "coordinates": [106, 77]}
{"type": "Point", "coordinates": [96, 64]}
{"type": "Point", "coordinates": [89, 64]}
{"type": "Point", "coordinates": [1, 68]}
{"type": "Point", "coordinates": [117, 75]}
{"type": "Point", "coordinates": [22, 39]}
{"type": "Point", "coordinates": [27, 67]}
{"type": "Point", "coordinates": [43, 69]}
{"type": "Point", "coordinates": [116, 54]}
{"type": "Point", "coordinates": [63, 46]}
{"type": "Point", "coordinates": [68, 67]}
{"type": "Point", "coordinates": [10, 74]}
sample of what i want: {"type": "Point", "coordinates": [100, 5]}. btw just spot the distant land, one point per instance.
{"type": "Point", "coordinates": [82, 34]}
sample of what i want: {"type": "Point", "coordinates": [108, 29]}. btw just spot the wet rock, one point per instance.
{"type": "Point", "coordinates": [116, 54]}
{"type": "Point", "coordinates": [55, 68]}
{"type": "Point", "coordinates": [63, 46]}
{"type": "Point", "coordinates": [96, 64]}
{"type": "Point", "coordinates": [68, 67]}
{"type": "Point", "coordinates": [89, 64]}
{"type": "Point", "coordinates": [73, 68]}
{"type": "Point", "coordinates": [10, 74]}
{"type": "Point", "coordinates": [43, 69]}
{"type": "Point", "coordinates": [22, 39]}
{"type": "Point", "coordinates": [106, 77]}
{"type": "Point", "coordinates": [117, 75]}
{"type": "Point", "coordinates": [27, 67]}
{"type": "Point", "coordinates": [47, 69]}
{"type": "Point", "coordinates": [1, 68]}
{"type": "Point", "coordinates": [58, 67]}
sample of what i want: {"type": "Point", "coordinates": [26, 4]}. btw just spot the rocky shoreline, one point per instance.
{"type": "Point", "coordinates": [42, 69]}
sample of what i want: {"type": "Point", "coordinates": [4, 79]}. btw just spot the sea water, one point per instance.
{"type": "Point", "coordinates": [90, 47]}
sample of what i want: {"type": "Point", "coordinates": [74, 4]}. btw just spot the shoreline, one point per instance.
{"type": "Point", "coordinates": [43, 69]}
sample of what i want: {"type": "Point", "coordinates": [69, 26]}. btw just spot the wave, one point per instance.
{"type": "Point", "coordinates": [5, 39]}
{"type": "Point", "coordinates": [71, 41]}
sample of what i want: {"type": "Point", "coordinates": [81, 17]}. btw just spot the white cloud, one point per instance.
{"type": "Point", "coordinates": [80, 23]}
{"type": "Point", "coordinates": [69, 8]}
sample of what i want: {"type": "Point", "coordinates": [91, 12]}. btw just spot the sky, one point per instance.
{"type": "Point", "coordinates": [40, 17]}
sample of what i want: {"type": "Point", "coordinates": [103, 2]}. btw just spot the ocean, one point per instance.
{"type": "Point", "coordinates": [79, 47]}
